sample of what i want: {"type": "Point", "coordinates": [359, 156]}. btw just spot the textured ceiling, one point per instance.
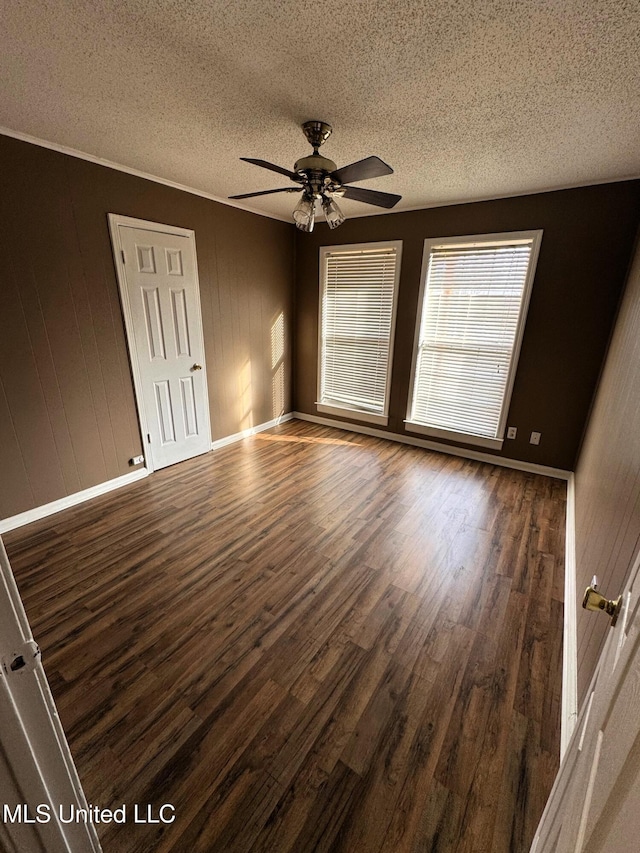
{"type": "Point", "coordinates": [465, 99]}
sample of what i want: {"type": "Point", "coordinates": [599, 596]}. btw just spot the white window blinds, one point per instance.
{"type": "Point", "coordinates": [472, 317]}
{"type": "Point", "coordinates": [359, 287]}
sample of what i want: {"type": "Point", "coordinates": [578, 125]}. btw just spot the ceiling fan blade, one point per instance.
{"type": "Point", "coordinates": [268, 192]}
{"type": "Point", "coordinates": [370, 167]}
{"type": "Point", "coordinates": [387, 200]}
{"type": "Point", "coordinates": [273, 168]}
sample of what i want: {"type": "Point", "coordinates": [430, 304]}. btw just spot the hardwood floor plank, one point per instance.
{"type": "Point", "coordinates": [405, 828]}
{"type": "Point", "coordinates": [287, 819]}
{"type": "Point", "coordinates": [372, 813]}
{"type": "Point", "coordinates": [441, 822]}
{"type": "Point", "coordinates": [321, 832]}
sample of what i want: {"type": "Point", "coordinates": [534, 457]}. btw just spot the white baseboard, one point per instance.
{"type": "Point", "coordinates": [477, 455]}
{"type": "Point", "coordinates": [569, 712]}
{"type": "Point", "coordinates": [246, 433]}
{"type": "Point", "coordinates": [38, 512]}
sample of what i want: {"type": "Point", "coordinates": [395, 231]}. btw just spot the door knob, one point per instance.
{"type": "Point", "coordinates": [197, 367]}
{"type": "Point", "coordinates": [593, 600]}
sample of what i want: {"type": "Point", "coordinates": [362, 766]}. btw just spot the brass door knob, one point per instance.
{"type": "Point", "coordinates": [593, 600]}
{"type": "Point", "coordinates": [197, 367]}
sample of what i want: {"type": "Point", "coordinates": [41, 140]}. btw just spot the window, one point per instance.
{"type": "Point", "coordinates": [471, 315]}
{"type": "Point", "coordinates": [359, 286]}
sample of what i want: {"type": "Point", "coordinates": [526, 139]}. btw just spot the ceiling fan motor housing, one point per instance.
{"type": "Point", "coordinates": [314, 163]}
{"type": "Point", "coordinates": [315, 171]}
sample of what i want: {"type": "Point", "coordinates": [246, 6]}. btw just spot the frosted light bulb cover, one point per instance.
{"type": "Point", "coordinates": [332, 212]}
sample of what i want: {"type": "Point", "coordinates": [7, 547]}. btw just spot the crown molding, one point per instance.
{"type": "Point", "coordinates": [119, 167]}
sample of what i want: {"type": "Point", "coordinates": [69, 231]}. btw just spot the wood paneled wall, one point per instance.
{"type": "Point", "coordinates": [608, 478]}
{"type": "Point", "coordinates": [67, 411]}
{"type": "Point", "coordinates": [586, 245]}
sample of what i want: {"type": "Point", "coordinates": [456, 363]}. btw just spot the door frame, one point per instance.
{"type": "Point", "coordinates": [115, 221]}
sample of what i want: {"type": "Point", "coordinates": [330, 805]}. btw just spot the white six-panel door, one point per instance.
{"type": "Point", "coordinates": [594, 806]}
{"type": "Point", "coordinates": [157, 272]}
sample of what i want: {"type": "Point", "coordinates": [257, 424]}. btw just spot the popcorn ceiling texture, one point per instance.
{"type": "Point", "coordinates": [464, 99]}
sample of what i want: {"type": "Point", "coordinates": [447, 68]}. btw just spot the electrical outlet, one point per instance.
{"type": "Point", "coordinates": [137, 460]}
{"type": "Point", "coordinates": [512, 432]}
{"type": "Point", "coordinates": [535, 438]}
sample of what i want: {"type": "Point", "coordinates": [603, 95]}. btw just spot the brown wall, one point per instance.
{"type": "Point", "coordinates": [67, 412]}
{"type": "Point", "coordinates": [608, 478]}
{"type": "Point", "coordinates": [586, 245]}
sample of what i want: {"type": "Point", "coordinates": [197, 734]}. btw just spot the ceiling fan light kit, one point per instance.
{"type": "Point", "coordinates": [322, 181]}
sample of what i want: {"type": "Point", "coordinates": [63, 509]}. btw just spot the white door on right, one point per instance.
{"type": "Point", "coordinates": [595, 802]}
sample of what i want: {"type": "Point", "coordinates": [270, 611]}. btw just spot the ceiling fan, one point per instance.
{"type": "Point", "coordinates": [321, 180]}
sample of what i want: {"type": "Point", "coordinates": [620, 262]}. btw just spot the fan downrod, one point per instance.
{"type": "Point", "coordinates": [317, 132]}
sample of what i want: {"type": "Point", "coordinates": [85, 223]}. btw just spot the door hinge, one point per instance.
{"type": "Point", "coordinates": [23, 659]}
{"type": "Point", "coordinates": [149, 437]}
{"type": "Point", "coordinates": [124, 260]}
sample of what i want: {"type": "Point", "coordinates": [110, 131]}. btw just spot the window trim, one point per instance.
{"type": "Point", "coordinates": [468, 241]}
{"type": "Point", "coordinates": [335, 408]}
{"type": "Point", "coordinates": [343, 412]}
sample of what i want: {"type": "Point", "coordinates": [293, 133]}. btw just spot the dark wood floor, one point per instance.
{"type": "Point", "coordinates": [309, 641]}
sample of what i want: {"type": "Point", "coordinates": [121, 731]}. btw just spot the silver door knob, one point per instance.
{"type": "Point", "coordinates": [197, 367]}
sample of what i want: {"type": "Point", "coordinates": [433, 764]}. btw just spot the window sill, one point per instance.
{"type": "Point", "coordinates": [356, 414]}
{"type": "Point", "coordinates": [459, 437]}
